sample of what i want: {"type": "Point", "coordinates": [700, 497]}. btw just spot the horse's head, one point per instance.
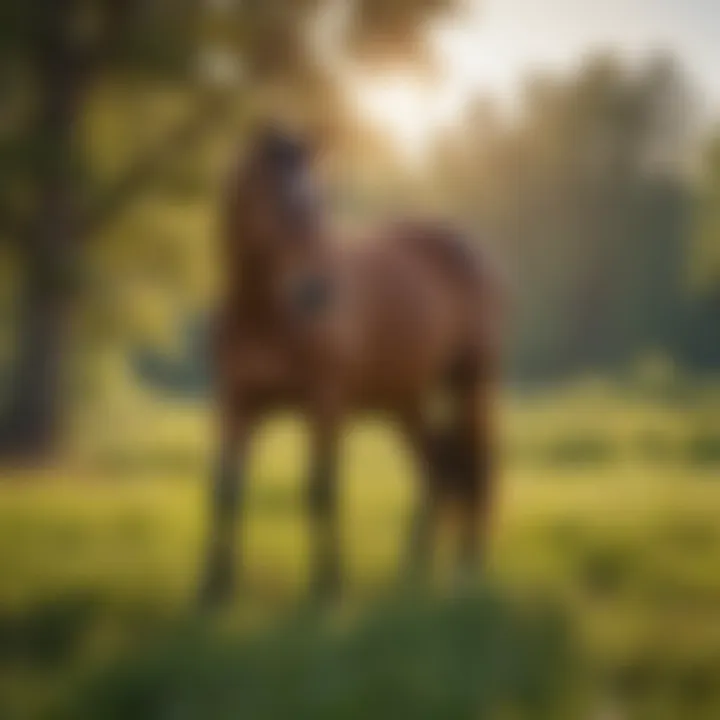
{"type": "Point", "coordinates": [274, 207]}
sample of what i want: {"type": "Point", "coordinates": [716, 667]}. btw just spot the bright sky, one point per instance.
{"type": "Point", "coordinates": [501, 41]}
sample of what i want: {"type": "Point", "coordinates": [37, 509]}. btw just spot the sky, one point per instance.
{"type": "Point", "coordinates": [499, 42]}
{"type": "Point", "coordinates": [502, 39]}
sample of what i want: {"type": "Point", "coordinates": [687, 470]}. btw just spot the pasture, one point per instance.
{"type": "Point", "coordinates": [602, 599]}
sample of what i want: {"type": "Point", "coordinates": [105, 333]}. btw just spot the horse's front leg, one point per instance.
{"type": "Point", "coordinates": [424, 519]}
{"type": "Point", "coordinates": [217, 582]}
{"type": "Point", "coordinates": [325, 571]}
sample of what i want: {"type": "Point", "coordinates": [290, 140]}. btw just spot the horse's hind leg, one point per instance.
{"type": "Point", "coordinates": [474, 451]}
{"type": "Point", "coordinates": [426, 446]}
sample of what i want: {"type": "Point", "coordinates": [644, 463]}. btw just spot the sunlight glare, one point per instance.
{"type": "Point", "coordinates": [400, 106]}
{"type": "Point", "coordinates": [474, 57]}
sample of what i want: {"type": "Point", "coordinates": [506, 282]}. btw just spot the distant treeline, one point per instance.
{"type": "Point", "coordinates": [602, 195]}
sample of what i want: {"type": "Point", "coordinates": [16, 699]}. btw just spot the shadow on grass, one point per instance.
{"type": "Point", "coordinates": [483, 656]}
{"type": "Point", "coordinates": [46, 633]}
{"type": "Point", "coordinates": [703, 448]}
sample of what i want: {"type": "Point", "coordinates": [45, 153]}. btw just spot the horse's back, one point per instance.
{"type": "Point", "coordinates": [421, 295]}
{"type": "Point", "coordinates": [451, 262]}
{"type": "Point", "coordinates": [451, 252]}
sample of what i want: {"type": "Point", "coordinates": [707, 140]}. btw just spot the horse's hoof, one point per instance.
{"type": "Point", "coordinates": [467, 581]}
{"type": "Point", "coordinates": [211, 599]}
{"type": "Point", "coordinates": [326, 588]}
{"type": "Point", "coordinates": [415, 579]}
{"type": "Point", "coordinates": [216, 591]}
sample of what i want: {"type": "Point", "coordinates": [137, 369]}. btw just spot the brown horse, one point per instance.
{"type": "Point", "coordinates": [333, 328]}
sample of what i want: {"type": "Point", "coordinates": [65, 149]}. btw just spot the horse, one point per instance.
{"type": "Point", "coordinates": [410, 312]}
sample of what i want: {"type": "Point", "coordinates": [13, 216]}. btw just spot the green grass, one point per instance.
{"type": "Point", "coordinates": [603, 585]}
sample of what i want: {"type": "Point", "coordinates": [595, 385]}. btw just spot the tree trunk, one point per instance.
{"type": "Point", "coordinates": [29, 429]}
{"type": "Point", "coordinates": [64, 68]}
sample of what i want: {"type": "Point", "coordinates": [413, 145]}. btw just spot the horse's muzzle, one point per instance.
{"type": "Point", "coordinates": [311, 295]}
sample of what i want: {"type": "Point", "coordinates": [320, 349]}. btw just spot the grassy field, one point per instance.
{"type": "Point", "coordinates": [602, 599]}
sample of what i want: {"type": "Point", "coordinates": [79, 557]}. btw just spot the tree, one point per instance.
{"type": "Point", "coordinates": [588, 192]}
{"type": "Point", "coordinates": [55, 55]}
{"type": "Point", "coordinates": [699, 330]}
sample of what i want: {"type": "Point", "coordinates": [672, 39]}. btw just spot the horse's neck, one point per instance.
{"type": "Point", "coordinates": [252, 295]}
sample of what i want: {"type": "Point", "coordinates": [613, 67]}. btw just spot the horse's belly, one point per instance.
{"type": "Point", "coordinates": [409, 363]}
{"type": "Point", "coordinates": [266, 375]}
{"type": "Point", "coordinates": [393, 383]}
{"type": "Point", "coordinates": [410, 334]}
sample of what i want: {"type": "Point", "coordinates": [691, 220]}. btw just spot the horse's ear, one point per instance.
{"type": "Point", "coordinates": [318, 143]}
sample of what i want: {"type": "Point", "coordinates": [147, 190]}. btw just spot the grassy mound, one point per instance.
{"type": "Point", "coordinates": [479, 657]}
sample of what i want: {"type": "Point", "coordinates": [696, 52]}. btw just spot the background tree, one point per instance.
{"type": "Point", "coordinates": [57, 194]}
{"type": "Point", "coordinates": [587, 190]}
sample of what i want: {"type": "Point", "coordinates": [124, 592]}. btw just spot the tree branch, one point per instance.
{"type": "Point", "coordinates": [13, 227]}
{"type": "Point", "coordinates": [211, 113]}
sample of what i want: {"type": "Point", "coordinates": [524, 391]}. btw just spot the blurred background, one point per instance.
{"type": "Point", "coordinates": [580, 141]}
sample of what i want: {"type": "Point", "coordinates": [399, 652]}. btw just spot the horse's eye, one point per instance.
{"type": "Point", "coordinates": [311, 295]}
{"type": "Point", "coordinates": [301, 191]}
